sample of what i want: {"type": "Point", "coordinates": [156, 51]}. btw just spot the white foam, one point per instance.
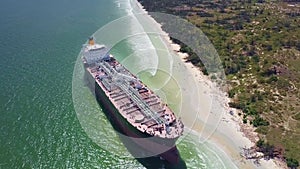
{"type": "Point", "coordinates": [140, 43]}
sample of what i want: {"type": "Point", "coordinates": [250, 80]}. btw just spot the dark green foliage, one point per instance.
{"type": "Point", "coordinates": [231, 93]}
{"type": "Point", "coordinates": [268, 72]}
{"type": "Point", "coordinates": [185, 49]}
{"type": "Point", "coordinates": [238, 26]}
{"type": "Point", "coordinates": [260, 96]}
{"type": "Point", "coordinates": [253, 99]}
{"type": "Point", "coordinates": [244, 120]}
{"type": "Point", "coordinates": [255, 58]}
{"type": "Point", "coordinates": [272, 79]}
{"type": "Point", "coordinates": [236, 105]}
{"type": "Point", "coordinates": [231, 68]}
{"type": "Point", "coordinates": [192, 56]}
{"type": "Point", "coordinates": [251, 111]}
{"type": "Point", "coordinates": [258, 121]}
{"type": "Point", "coordinates": [298, 46]}
{"type": "Point", "coordinates": [266, 148]}
{"type": "Point", "coordinates": [213, 77]}
{"type": "Point", "coordinates": [297, 116]}
{"type": "Point", "coordinates": [251, 51]}
{"type": "Point", "coordinates": [292, 163]}
{"type": "Point", "coordinates": [260, 143]}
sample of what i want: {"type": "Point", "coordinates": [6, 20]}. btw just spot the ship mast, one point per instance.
{"type": "Point", "coordinates": [91, 41]}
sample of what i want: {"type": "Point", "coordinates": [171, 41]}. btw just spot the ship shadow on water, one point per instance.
{"type": "Point", "coordinates": [155, 162]}
{"type": "Point", "coordinates": [148, 162]}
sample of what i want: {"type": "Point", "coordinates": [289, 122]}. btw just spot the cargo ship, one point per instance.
{"type": "Point", "coordinates": [146, 124]}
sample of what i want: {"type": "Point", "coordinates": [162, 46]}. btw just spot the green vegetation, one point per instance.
{"type": "Point", "coordinates": [267, 149]}
{"type": "Point", "coordinates": [258, 121]}
{"type": "Point", "coordinates": [270, 151]}
{"type": "Point", "coordinates": [259, 45]}
{"type": "Point", "coordinates": [292, 163]}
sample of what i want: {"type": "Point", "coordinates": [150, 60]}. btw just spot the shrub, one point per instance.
{"type": "Point", "coordinates": [255, 58]}
{"type": "Point", "coordinates": [258, 121]}
{"type": "Point", "coordinates": [231, 93]}
{"type": "Point", "coordinates": [292, 163]}
{"type": "Point", "coordinates": [272, 79]}
{"type": "Point", "coordinates": [244, 120]}
{"type": "Point", "coordinates": [260, 143]}
{"type": "Point", "coordinates": [297, 116]}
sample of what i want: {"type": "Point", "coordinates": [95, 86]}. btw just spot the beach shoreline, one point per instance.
{"type": "Point", "coordinates": [231, 134]}
{"type": "Point", "coordinates": [244, 133]}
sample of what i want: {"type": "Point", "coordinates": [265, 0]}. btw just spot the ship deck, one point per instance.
{"type": "Point", "coordinates": [140, 106]}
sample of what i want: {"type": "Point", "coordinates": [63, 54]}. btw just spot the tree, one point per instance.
{"type": "Point", "coordinates": [292, 163]}
{"type": "Point", "coordinates": [258, 121]}
{"type": "Point", "coordinates": [260, 143]}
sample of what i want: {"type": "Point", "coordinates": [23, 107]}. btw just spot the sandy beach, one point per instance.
{"type": "Point", "coordinates": [230, 135]}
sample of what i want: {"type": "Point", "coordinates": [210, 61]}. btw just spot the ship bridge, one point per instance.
{"type": "Point", "coordinates": [95, 53]}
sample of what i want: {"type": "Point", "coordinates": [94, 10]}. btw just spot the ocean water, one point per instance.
{"type": "Point", "coordinates": [40, 124]}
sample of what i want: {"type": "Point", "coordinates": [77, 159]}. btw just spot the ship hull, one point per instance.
{"type": "Point", "coordinates": [134, 140]}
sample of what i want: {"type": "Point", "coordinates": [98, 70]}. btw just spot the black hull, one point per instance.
{"type": "Point", "coordinates": [139, 148]}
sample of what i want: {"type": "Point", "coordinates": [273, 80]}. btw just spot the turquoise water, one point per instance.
{"type": "Point", "coordinates": [40, 42]}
